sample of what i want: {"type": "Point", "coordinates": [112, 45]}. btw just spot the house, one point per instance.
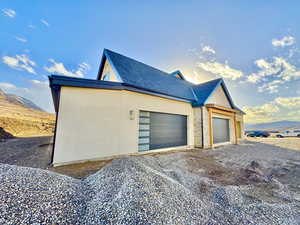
{"type": "Point", "coordinates": [132, 108]}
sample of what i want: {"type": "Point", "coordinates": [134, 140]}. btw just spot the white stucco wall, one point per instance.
{"type": "Point", "coordinates": [108, 70]}
{"type": "Point", "coordinates": [95, 123]}
{"type": "Point", "coordinates": [218, 97]}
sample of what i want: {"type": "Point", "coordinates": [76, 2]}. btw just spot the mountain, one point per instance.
{"type": "Point", "coordinates": [20, 117]}
{"type": "Point", "coordinates": [278, 125]}
{"type": "Point", "coordinates": [18, 100]}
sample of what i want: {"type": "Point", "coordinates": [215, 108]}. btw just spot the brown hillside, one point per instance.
{"type": "Point", "coordinates": [21, 120]}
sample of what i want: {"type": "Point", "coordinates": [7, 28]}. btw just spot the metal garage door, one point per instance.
{"type": "Point", "coordinates": [161, 130]}
{"type": "Point", "coordinates": [221, 130]}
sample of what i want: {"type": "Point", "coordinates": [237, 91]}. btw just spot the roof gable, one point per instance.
{"type": "Point", "coordinates": [204, 90]}
{"type": "Point", "coordinates": [143, 76]}
{"type": "Point", "coordinates": [218, 97]}
{"type": "Point", "coordinates": [178, 74]}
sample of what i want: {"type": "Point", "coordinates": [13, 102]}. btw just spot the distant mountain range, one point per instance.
{"type": "Point", "coordinates": [18, 100]}
{"type": "Point", "coordinates": [20, 117]}
{"type": "Point", "coordinates": [278, 125]}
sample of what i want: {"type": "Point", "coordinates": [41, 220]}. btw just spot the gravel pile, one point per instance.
{"type": "Point", "coordinates": [36, 196]}
{"type": "Point", "coordinates": [141, 191]}
{"type": "Point", "coordinates": [144, 190]}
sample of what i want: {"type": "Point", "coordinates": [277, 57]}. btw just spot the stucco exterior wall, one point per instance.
{"type": "Point", "coordinates": [95, 123]}
{"type": "Point", "coordinates": [108, 70]}
{"type": "Point", "coordinates": [218, 97]}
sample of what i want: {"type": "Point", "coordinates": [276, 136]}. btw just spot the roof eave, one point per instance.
{"type": "Point", "coordinates": [56, 82]}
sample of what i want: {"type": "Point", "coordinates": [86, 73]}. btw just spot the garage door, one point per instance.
{"type": "Point", "coordinates": [221, 130]}
{"type": "Point", "coordinates": [161, 130]}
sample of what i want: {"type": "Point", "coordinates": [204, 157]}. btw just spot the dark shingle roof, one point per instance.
{"type": "Point", "coordinates": [139, 77]}
{"type": "Point", "coordinates": [147, 77]}
{"type": "Point", "coordinates": [204, 90]}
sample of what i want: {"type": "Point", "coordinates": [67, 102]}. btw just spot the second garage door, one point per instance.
{"type": "Point", "coordinates": [221, 130]}
{"type": "Point", "coordinates": [164, 130]}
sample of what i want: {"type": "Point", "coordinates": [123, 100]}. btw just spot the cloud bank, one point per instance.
{"type": "Point", "coordinates": [59, 68]}
{"type": "Point", "coordinates": [20, 62]}
{"type": "Point", "coordinates": [9, 13]}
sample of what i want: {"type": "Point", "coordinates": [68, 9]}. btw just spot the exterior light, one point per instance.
{"type": "Point", "coordinates": [131, 114]}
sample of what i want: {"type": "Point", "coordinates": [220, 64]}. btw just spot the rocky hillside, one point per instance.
{"type": "Point", "coordinates": [20, 117]}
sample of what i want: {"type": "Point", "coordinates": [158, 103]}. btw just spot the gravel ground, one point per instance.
{"type": "Point", "coordinates": [252, 183]}
{"type": "Point", "coordinates": [292, 143]}
{"type": "Point", "coordinates": [32, 151]}
{"type": "Point", "coordinates": [36, 196]}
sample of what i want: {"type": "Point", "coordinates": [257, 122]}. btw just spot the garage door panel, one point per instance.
{"type": "Point", "coordinates": [165, 130]}
{"type": "Point", "coordinates": [220, 130]}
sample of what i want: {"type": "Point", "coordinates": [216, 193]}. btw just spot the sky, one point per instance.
{"type": "Point", "coordinates": [253, 45]}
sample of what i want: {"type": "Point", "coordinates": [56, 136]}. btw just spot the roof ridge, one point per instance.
{"type": "Point", "coordinates": [166, 73]}
{"type": "Point", "coordinates": [135, 60]}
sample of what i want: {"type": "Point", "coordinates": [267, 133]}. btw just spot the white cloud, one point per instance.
{"type": "Point", "coordinates": [39, 83]}
{"type": "Point", "coordinates": [45, 22]}
{"type": "Point", "coordinates": [220, 69]}
{"type": "Point", "coordinates": [253, 78]}
{"type": "Point", "coordinates": [271, 87]}
{"type": "Point", "coordinates": [31, 26]}
{"type": "Point", "coordinates": [262, 113]}
{"type": "Point", "coordinates": [9, 12]}
{"type": "Point", "coordinates": [7, 86]}
{"type": "Point", "coordinates": [20, 62]}
{"type": "Point", "coordinates": [288, 102]}
{"type": "Point", "coordinates": [82, 68]}
{"type": "Point", "coordinates": [281, 108]}
{"type": "Point", "coordinates": [21, 39]}
{"type": "Point", "coordinates": [58, 67]}
{"type": "Point", "coordinates": [285, 41]}
{"type": "Point", "coordinates": [277, 67]}
{"type": "Point", "coordinates": [37, 91]}
{"type": "Point", "coordinates": [209, 49]}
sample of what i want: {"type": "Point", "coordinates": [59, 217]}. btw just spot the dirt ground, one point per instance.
{"type": "Point", "coordinates": [249, 183]}
{"type": "Point", "coordinates": [36, 152]}
{"type": "Point", "coordinates": [198, 159]}
{"type": "Point", "coordinates": [292, 143]}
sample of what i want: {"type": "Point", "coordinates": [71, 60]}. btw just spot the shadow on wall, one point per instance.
{"type": "Point", "coordinates": [4, 134]}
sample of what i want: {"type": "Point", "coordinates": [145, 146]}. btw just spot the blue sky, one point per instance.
{"type": "Point", "coordinates": [253, 45]}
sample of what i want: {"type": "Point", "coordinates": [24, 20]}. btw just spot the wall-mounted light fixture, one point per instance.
{"type": "Point", "coordinates": [131, 114]}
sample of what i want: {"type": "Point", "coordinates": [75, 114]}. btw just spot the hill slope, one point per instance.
{"type": "Point", "coordinates": [22, 118]}
{"type": "Point", "coordinates": [278, 125]}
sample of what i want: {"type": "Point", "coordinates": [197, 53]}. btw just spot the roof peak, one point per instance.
{"type": "Point", "coordinates": [147, 65]}
{"type": "Point", "coordinates": [214, 80]}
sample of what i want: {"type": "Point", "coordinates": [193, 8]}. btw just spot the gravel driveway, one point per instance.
{"type": "Point", "coordinates": [292, 143]}
{"type": "Point", "coordinates": [251, 183]}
